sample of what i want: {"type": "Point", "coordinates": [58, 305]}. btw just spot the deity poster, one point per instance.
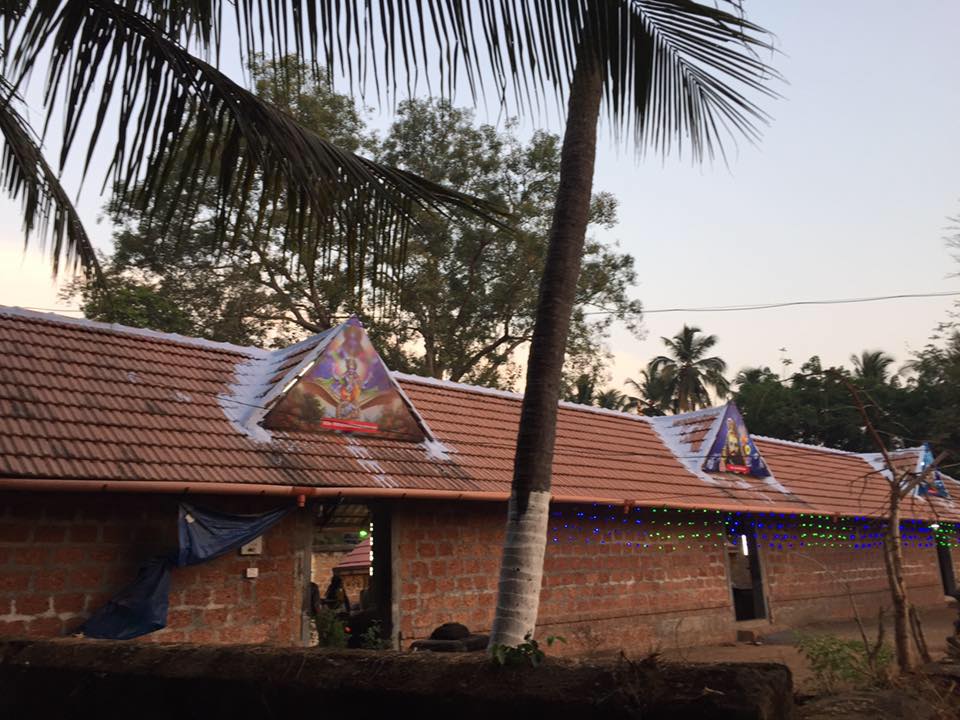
{"type": "Point", "coordinates": [933, 485]}
{"type": "Point", "coordinates": [733, 450]}
{"type": "Point", "coordinates": [347, 389]}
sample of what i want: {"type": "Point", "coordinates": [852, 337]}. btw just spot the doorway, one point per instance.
{"type": "Point", "coordinates": [351, 569]}
{"type": "Point", "coordinates": [746, 580]}
{"type": "Point", "coordinates": [946, 569]}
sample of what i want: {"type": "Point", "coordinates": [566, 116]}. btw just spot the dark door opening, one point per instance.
{"type": "Point", "coordinates": [946, 570]}
{"type": "Point", "coordinates": [351, 570]}
{"type": "Point", "coordinates": [746, 582]}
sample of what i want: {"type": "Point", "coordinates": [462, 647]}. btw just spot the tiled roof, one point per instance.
{"type": "Point", "coordinates": [356, 559]}
{"type": "Point", "coordinates": [86, 401]}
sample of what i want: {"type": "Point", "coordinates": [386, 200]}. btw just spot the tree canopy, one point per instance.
{"type": "Point", "coordinates": [688, 373]}
{"type": "Point", "coordinates": [464, 302]}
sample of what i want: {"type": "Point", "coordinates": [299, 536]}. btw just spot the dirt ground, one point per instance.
{"type": "Point", "coordinates": [937, 625]}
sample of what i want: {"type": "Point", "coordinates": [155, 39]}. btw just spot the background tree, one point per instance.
{"type": "Point", "coordinates": [652, 391]}
{"type": "Point", "coordinates": [469, 295]}
{"type": "Point", "coordinates": [688, 373]}
{"type": "Point", "coordinates": [930, 400]}
{"type": "Point", "coordinates": [872, 366]}
{"type": "Point", "coordinates": [465, 301]}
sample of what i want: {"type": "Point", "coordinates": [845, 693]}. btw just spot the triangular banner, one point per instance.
{"type": "Point", "coordinates": [733, 450]}
{"type": "Point", "coordinates": [934, 484]}
{"type": "Point", "coordinates": [347, 388]}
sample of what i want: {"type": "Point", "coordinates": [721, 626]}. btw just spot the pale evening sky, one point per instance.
{"type": "Point", "coordinates": [847, 194]}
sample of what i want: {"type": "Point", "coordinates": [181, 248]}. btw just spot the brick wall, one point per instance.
{"type": "Point", "coordinates": [63, 555]}
{"type": "Point", "coordinates": [603, 590]}
{"type": "Point", "coordinates": [816, 583]}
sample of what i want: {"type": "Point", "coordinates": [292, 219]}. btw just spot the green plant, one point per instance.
{"type": "Point", "coordinates": [840, 662]}
{"type": "Point", "coordinates": [331, 632]}
{"type": "Point", "coordinates": [526, 653]}
{"type": "Point", "coordinates": [372, 638]}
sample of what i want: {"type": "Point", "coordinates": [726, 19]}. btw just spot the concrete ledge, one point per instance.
{"type": "Point", "coordinates": [83, 678]}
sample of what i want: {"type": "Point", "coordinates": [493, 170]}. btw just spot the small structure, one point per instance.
{"type": "Point", "coordinates": [668, 531]}
{"type": "Point", "coordinates": [354, 570]}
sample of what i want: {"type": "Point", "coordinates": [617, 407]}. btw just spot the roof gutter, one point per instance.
{"type": "Point", "coordinates": [232, 488]}
{"type": "Point", "coordinates": [302, 492]}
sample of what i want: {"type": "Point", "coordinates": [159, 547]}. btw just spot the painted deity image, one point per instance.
{"type": "Point", "coordinates": [733, 456]}
{"type": "Point", "coordinates": [733, 450]}
{"type": "Point", "coordinates": [348, 389]}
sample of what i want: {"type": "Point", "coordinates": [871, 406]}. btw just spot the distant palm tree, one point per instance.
{"type": "Point", "coordinates": [614, 400]}
{"type": "Point", "coordinates": [753, 375]}
{"type": "Point", "coordinates": [651, 391]}
{"type": "Point", "coordinates": [872, 366]}
{"type": "Point", "coordinates": [582, 391]}
{"type": "Point", "coordinates": [688, 373]}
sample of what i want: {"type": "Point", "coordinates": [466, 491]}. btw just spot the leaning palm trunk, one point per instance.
{"type": "Point", "coordinates": [521, 568]}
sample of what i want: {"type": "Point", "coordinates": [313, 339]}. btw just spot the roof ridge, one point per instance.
{"type": "Point", "coordinates": [808, 446]}
{"type": "Point", "coordinates": [512, 395]}
{"type": "Point", "coordinates": [118, 329]}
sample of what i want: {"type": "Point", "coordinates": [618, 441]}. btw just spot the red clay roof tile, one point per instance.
{"type": "Point", "coordinates": [81, 400]}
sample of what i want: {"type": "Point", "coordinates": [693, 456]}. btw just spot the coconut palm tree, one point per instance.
{"type": "Point", "coordinates": [687, 371]}
{"type": "Point", "coordinates": [753, 375]}
{"type": "Point", "coordinates": [613, 399]}
{"type": "Point", "coordinates": [673, 74]}
{"type": "Point", "coordinates": [652, 392]}
{"type": "Point", "coordinates": [670, 74]}
{"type": "Point", "coordinates": [872, 366]}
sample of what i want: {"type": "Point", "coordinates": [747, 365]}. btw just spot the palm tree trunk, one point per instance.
{"type": "Point", "coordinates": [521, 568]}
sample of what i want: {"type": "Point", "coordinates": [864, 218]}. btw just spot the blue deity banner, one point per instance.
{"type": "Point", "coordinates": [733, 450]}
{"type": "Point", "coordinates": [934, 484]}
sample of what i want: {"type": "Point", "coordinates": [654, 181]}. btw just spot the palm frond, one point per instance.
{"type": "Point", "coordinates": [176, 110]}
{"type": "Point", "coordinates": [47, 210]}
{"type": "Point", "coordinates": [673, 69]}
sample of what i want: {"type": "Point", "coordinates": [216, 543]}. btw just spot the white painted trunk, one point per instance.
{"type": "Point", "coordinates": [521, 571]}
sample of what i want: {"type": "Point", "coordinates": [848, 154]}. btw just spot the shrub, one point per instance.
{"type": "Point", "coordinates": [372, 638]}
{"type": "Point", "coordinates": [839, 662]}
{"type": "Point", "coordinates": [526, 653]}
{"type": "Point", "coordinates": [330, 629]}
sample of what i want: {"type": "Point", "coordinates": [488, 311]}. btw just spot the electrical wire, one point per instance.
{"type": "Point", "coordinates": [747, 307]}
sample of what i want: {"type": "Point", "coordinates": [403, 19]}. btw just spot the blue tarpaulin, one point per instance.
{"type": "Point", "coordinates": [205, 534]}
{"type": "Point", "coordinates": [138, 609]}
{"type": "Point", "coordinates": [141, 607]}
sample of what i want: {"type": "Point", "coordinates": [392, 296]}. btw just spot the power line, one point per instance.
{"type": "Point", "coordinates": [713, 308]}
{"type": "Point", "coordinates": [789, 303]}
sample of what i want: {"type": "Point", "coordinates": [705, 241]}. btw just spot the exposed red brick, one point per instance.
{"type": "Point", "coordinates": [14, 532]}
{"type": "Point", "coordinates": [33, 604]}
{"type": "Point", "coordinates": [50, 533]}
{"type": "Point", "coordinates": [28, 555]}
{"type": "Point", "coordinates": [67, 555]}
{"type": "Point", "coordinates": [14, 580]}
{"type": "Point", "coordinates": [13, 628]}
{"type": "Point", "coordinates": [73, 603]}
{"type": "Point", "coordinates": [84, 533]}
{"type": "Point", "coordinates": [85, 578]}
{"type": "Point", "coordinates": [45, 627]}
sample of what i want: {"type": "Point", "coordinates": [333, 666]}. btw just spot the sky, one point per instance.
{"type": "Point", "coordinates": [847, 194]}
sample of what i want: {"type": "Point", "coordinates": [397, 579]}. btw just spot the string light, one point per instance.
{"type": "Point", "coordinates": [668, 529]}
